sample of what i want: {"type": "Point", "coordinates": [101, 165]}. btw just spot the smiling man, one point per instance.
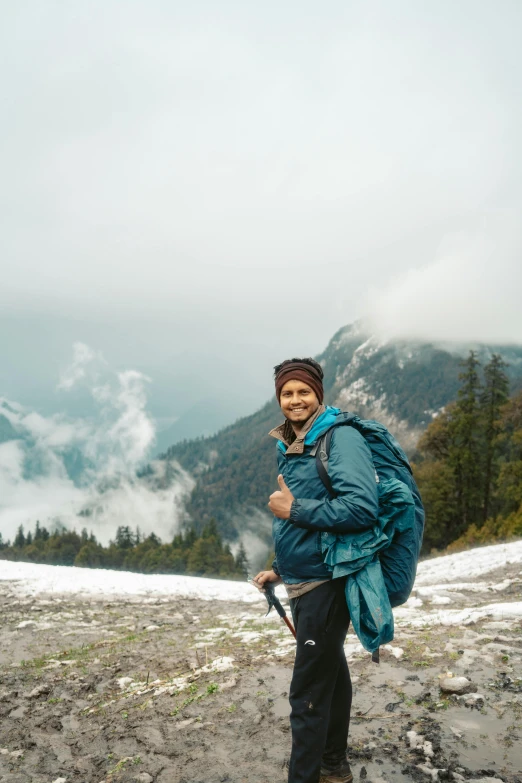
{"type": "Point", "coordinates": [320, 691]}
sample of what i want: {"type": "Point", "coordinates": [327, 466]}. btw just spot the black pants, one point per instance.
{"type": "Point", "coordinates": [321, 690]}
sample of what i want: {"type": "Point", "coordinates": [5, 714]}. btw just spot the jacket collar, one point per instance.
{"type": "Point", "coordinates": [322, 419]}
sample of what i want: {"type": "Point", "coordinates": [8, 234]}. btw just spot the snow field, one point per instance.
{"type": "Point", "coordinates": [441, 582]}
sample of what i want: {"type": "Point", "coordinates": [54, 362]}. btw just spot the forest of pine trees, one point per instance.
{"type": "Point", "coordinates": [469, 467]}
{"type": "Point", "coordinates": [188, 553]}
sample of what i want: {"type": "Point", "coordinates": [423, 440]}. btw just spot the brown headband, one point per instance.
{"type": "Point", "coordinates": [298, 371]}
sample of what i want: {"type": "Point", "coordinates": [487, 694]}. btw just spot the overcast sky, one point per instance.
{"type": "Point", "coordinates": [197, 190]}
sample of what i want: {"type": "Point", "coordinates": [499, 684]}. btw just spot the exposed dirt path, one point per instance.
{"type": "Point", "coordinates": [191, 691]}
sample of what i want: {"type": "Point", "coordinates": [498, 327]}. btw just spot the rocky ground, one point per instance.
{"type": "Point", "coordinates": [177, 690]}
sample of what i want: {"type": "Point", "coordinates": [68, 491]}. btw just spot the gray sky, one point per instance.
{"type": "Point", "coordinates": [198, 190]}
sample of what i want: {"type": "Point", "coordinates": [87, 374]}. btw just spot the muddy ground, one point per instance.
{"type": "Point", "coordinates": [188, 691]}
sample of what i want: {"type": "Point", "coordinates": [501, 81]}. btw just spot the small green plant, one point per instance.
{"type": "Point", "coordinates": [136, 760]}
{"type": "Point", "coordinates": [53, 700]}
{"type": "Point", "coordinates": [212, 687]}
{"type": "Point", "coordinates": [232, 708]}
{"type": "Point", "coordinates": [118, 768]}
{"type": "Point", "coordinates": [124, 715]}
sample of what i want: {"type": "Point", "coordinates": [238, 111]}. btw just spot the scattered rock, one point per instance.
{"type": "Point", "coordinates": [419, 742]}
{"type": "Point", "coordinates": [124, 681]}
{"type": "Point", "coordinates": [226, 684]}
{"type": "Point", "coordinates": [487, 780]}
{"type": "Point", "coordinates": [19, 712]}
{"type": "Point", "coordinates": [397, 652]}
{"type": "Point", "coordinates": [38, 691]}
{"type": "Point", "coordinates": [455, 685]}
{"type": "Point", "coordinates": [144, 777]}
{"type": "Point", "coordinates": [472, 700]}
{"type": "Point", "coordinates": [60, 780]}
{"type": "Point", "coordinates": [184, 723]}
{"type": "Point", "coordinates": [430, 771]}
{"type": "Point", "coordinates": [458, 734]}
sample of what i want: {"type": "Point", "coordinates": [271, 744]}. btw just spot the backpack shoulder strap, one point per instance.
{"type": "Point", "coordinates": [321, 460]}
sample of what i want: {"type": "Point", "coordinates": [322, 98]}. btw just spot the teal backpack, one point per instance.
{"type": "Point", "coordinates": [382, 563]}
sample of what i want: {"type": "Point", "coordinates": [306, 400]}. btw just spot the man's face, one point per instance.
{"type": "Point", "coordinates": [298, 401]}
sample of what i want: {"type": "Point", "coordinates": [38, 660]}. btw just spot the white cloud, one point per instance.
{"type": "Point", "coordinates": [470, 292]}
{"type": "Point", "coordinates": [133, 432]}
{"type": "Point", "coordinates": [78, 369]}
{"type": "Point", "coordinates": [34, 480]}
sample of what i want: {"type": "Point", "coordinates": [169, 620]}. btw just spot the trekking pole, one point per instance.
{"type": "Point", "coordinates": [273, 601]}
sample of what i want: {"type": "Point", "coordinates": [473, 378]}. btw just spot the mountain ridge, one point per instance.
{"type": "Point", "coordinates": [402, 383]}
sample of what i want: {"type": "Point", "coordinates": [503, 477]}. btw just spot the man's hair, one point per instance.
{"type": "Point", "coordinates": [317, 367]}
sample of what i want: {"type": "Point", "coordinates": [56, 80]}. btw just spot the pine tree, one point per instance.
{"type": "Point", "coordinates": [509, 483]}
{"type": "Point", "coordinates": [494, 396]}
{"type": "Point", "coordinates": [124, 537]}
{"type": "Point", "coordinates": [242, 560]}
{"type": "Point", "coordinates": [465, 452]}
{"type": "Point", "coordinates": [153, 539]}
{"type": "Point", "coordinates": [210, 530]}
{"type": "Point", "coordinates": [19, 541]}
{"type": "Point", "coordinates": [190, 538]}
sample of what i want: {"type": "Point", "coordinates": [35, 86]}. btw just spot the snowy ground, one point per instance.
{"type": "Point", "coordinates": [109, 676]}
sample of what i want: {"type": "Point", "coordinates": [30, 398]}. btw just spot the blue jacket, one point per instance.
{"type": "Point", "coordinates": [298, 546]}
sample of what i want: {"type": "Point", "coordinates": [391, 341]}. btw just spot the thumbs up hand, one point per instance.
{"type": "Point", "coordinates": [281, 501]}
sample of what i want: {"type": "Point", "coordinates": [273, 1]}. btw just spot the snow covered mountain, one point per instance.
{"type": "Point", "coordinates": [403, 384]}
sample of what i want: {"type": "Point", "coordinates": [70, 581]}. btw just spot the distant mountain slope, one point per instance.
{"type": "Point", "coordinates": [401, 383]}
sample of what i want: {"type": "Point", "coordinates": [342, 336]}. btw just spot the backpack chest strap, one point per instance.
{"type": "Point", "coordinates": [321, 451]}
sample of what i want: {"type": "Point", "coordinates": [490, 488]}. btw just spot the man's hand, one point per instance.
{"type": "Point", "coordinates": [281, 501]}
{"type": "Point", "coordinates": [266, 576]}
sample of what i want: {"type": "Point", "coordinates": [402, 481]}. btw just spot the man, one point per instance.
{"type": "Point", "coordinates": [320, 691]}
